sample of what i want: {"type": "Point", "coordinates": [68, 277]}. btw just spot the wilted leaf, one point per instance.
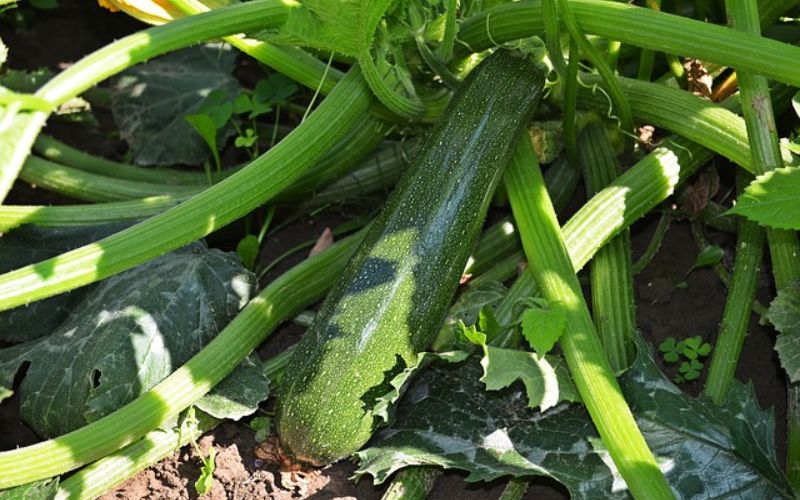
{"type": "Point", "coordinates": [706, 451]}
{"type": "Point", "coordinates": [771, 199]}
{"type": "Point", "coordinates": [324, 241]}
{"type": "Point", "coordinates": [206, 479]}
{"type": "Point", "coordinates": [131, 332]}
{"type": "Point", "coordinates": [150, 102]}
{"type": "Point", "coordinates": [31, 244]}
{"type": "Point", "coordinates": [784, 314]}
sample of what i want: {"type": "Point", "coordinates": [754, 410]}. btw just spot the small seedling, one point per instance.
{"type": "Point", "coordinates": [690, 350]}
{"type": "Point", "coordinates": [262, 426]}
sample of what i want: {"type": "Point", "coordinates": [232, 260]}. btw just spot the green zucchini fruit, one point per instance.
{"type": "Point", "coordinates": [389, 302]}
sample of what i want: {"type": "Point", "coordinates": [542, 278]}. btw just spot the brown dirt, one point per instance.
{"type": "Point", "coordinates": [662, 310]}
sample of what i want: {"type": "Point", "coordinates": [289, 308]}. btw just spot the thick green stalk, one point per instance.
{"type": "Point", "coordinates": [644, 28]}
{"type": "Point", "coordinates": [12, 216]}
{"type": "Point", "coordinates": [591, 52]}
{"type": "Point", "coordinates": [113, 469]}
{"type": "Point", "coordinates": [412, 483]}
{"type": "Point", "coordinates": [58, 152]}
{"type": "Point", "coordinates": [554, 272]}
{"type": "Point", "coordinates": [515, 489]}
{"type": "Point", "coordinates": [123, 54]}
{"type": "Point", "coordinates": [738, 306]}
{"type": "Point", "coordinates": [766, 155]}
{"type": "Point", "coordinates": [282, 299]}
{"type": "Point", "coordinates": [213, 208]}
{"type": "Point", "coordinates": [92, 187]}
{"type": "Point", "coordinates": [610, 272]}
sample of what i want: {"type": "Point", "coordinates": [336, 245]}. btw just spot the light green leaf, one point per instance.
{"type": "Point", "coordinates": [126, 336]}
{"type": "Point", "coordinates": [206, 480]}
{"type": "Point", "coordinates": [771, 199]}
{"type": "Point", "coordinates": [262, 426]}
{"type": "Point", "coordinates": [706, 451]}
{"type": "Point", "coordinates": [546, 379]}
{"type": "Point", "coordinates": [784, 314]}
{"type": "Point", "coordinates": [39, 490]}
{"type": "Point", "coordinates": [150, 101]}
{"type": "Point", "coordinates": [204, 125]}
{"type": "Point", "coordinates": [542, 326]}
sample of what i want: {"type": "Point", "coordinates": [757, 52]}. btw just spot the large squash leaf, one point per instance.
{"type": "Point", "coordinates": [784, 313]}
{"type": "Point", "coordinates": [706, 451]}
{"type": "Point", "coordinates": [131, 332]}
{"type": "Point", "coordinates": [31, 244]}
{"type": "Point", "coordinates": [150, 102]}
{"type": "Point", "coordinates": [771, 199]}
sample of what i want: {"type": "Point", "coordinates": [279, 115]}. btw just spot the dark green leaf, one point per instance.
{"type": "Point", "coordinates": [667, 345]}
{"type": "Point", "coordinates": [239, 394]}
{"type": "Point", "coordinates": [543, 326]}
{"type": "Point", "coordinates": [248, 249]}
{"type": "Point", "coordinates": [671, 357]}
{"type": "Point", "coordinates": [274, 90]}
{"type": "Point", "coordinates": [784, 313]}
{"type": "Point", "coordinates": [127, 335]}
{"type": "Point", "coordinates": [709, 256]}
{"type": "Point", "coordinates": [218, 107]}
{"type": "Point", "coordinates": [28, 245]}
{"type": "Point", "coordinates": [150, 101]}
{"type": "Point", "coordinates": [771, 199]}
{"type": "Point", "coordinates": [242, 104]}
{"type": "Point", "coordinates": [40, 490]}
{"type": "Point", "coordinates": [44, 4]}
{"type": "Point", "coordinates": [706, 451]}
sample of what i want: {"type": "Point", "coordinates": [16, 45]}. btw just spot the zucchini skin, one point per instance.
{"type": "Point", "coordinates": [390, 300]}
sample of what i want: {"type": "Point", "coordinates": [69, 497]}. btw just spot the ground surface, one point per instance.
{"type": "Point", "coordinates": [58, 38]}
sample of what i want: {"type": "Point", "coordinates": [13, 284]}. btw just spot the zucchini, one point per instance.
{"type": "Point", "coordinates": [390, 300]}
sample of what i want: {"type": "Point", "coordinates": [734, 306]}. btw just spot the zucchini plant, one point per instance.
{"type": "Point", "coordinates": [123, 334]}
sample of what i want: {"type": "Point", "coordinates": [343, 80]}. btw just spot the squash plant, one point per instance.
{"type": "Point", "coordinates": [464, 77]}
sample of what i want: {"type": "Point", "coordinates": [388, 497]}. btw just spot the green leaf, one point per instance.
{"type": "Point", "coordinates": [43, 4]}
{"type": "Point", "coordinates": [206, 480]}
{"type": "Point", "coordinates": [668, 345]}
{"type": "Point", "coordinates": [126, 336]}
{"type": "Point", "coordinates": [39, 490]}
{"type": "Point", "coordinates": [472, 335]}
{"type": "Point", "coordinates": [543, 326]}
{"type": "Point", "coordinates": [218, 106]}
{"type": "Point", "coordinates": [709, 256]}
{"type": "Point", "coordinates": [247, 140]}
{"type": "Point", "coordinates": [385, 404]}
{"type": "Point", "coordinates": [546, 379]}
{"type": "Point", "coordinates": [25, 81]}
{"type": "Point", "coordinates": [262, 426]}
{"type": "Point", "coordinates": [248, 249]}
{"type": "Point", "coordinates": [242, 104]}
{"type": "Point", "coordinates": [784, 313]}
{"type": "Point", "coordinates": [487, 323]}
{"type": "Point", "coordinates": [468, 307]}
{"type": "Point", "coordinates": [671, 357]}
{"type": "Point", "coordinates": [771, 199]}
{"type": "Point", "coordinates": [204, 125]}
{"type": "Point", "coordinates": [446, 420]}
{"type": "Point", "coordinates": [28, 245]}
{"type": "Point", "coordinates": [239, 394]}
{"type": "Point", "coordinates": [150, 101]}
{"type": "Point", "coordinates": [704, 349]}
{"type": "Point", "coordinates": [274, 90]}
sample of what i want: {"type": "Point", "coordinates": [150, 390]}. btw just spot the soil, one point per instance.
{"type": "Point", "coordinates": [694, 307]}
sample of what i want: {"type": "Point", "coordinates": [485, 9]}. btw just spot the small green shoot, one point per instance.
{"type": "Point", "coordinates": [542, 324]}
{"type": "Point", "coordinates": [206, 480]}
{"type": "Point", "coordinates": [248, 249]}
{"type": "Point", "coordinates": [262, 426]}
{"type": "Point", "coordinates": [709, 256]}
{"type": "Point", "coordinates": [690, 350]}
{"type": "Point", "coordinates": [204, 125]}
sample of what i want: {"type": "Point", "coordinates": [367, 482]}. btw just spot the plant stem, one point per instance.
{"type": "Point", "coordinates": [113, 469]}
{"type": "Point", "coordinates": [610, 272]}
{"type": "Point", "coordinates": [215, 207]}
{"type": "Point", "coordinates": [282, 299]}
{"type": "Point", "coordinates": [738, 307]}
{"type": "Point", "coordinates": [655, 244]}
{"type": "Point", "coordinates": [515, 489]}
{"type": "Point", "coordinates": [122, 54]}
{"type": "Point", "coordinates": [412, 483]}
{"type": "Point", "coordinates": [766, 155]}
{"type": "Point", "coordinates": [644, 28]}
{"type": "Point", "coordinates": [554, 272]}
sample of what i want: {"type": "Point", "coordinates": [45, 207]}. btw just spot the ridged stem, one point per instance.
{"type": "Point", "coordinates": [766, 155]}
{"type": "Point", "coordinates": [412, 483]}
{"type": "Point", "coordinates": [554, 272]}
{"type": "Point", "coordinates": [282, 299]}
{"type": "Point", "coordinates": [610, 272]}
